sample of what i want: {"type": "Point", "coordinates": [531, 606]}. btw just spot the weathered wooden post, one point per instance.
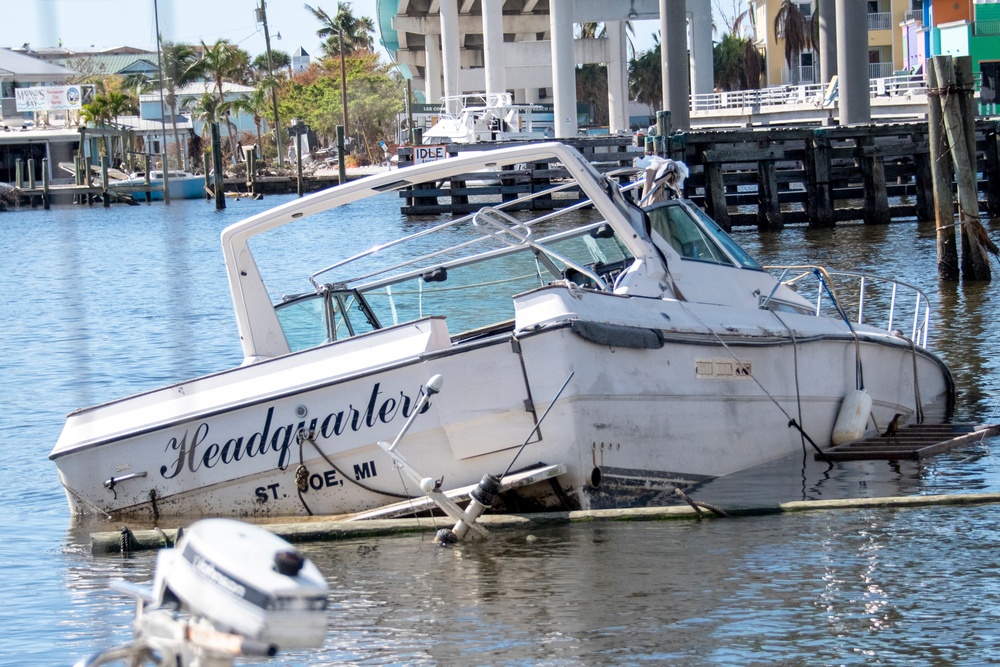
{"type": "Point", "coordinates": [341, 158]}
{"type": "Point", "coordinates": [820, 190]}
{"type": "Point", "coordinates": [941, 173]}
{"type": "Point", "coordinates": [922, 178]}
{"type": "Point", "coordinates": [715, 189]}
{"type": "Point", "coordinates": [975, 263]}
{"type": "Point", "coordinates": [165, 167]}
{"type": "Point", "coordinates": [876, 203]}
{"type": "Point", "coordinates": [45, 183]}
{"type": "Point", "coordinates": [19, 173]}
{"type": "Point", "coordinates": [148, 164]}
{"type": "Point", "coordinates": [768, 201]}
{"type": "Point", "coordinates": [105, 194]}
{"type": "Point", "coordinates": [250, 160]}
{"type": "Point", "coordinates": [976, 242]}
{"type": "Point", "coordinates": [220, 180]}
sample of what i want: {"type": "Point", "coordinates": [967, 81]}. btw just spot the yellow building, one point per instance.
{"type": "Point", "coordinates": [885, 41]}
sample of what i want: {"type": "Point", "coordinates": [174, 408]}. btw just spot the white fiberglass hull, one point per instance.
{"type": "Point", "coordinates": [655, 400]}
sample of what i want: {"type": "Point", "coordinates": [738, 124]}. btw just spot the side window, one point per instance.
{"type": "Point", "coordinates": [674, 226]}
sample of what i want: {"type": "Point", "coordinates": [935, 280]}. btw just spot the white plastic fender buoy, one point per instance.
{"type": "Point", "coordinates": [853, 417]}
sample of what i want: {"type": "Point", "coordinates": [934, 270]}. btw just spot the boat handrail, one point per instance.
{"type": "Point", "coordinates": [583, 203]}
{"type": "Point", "coordinates": [897, 304]}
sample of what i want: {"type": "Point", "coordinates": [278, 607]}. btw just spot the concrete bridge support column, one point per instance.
{"type": "Point", "coordinates": [496, 78]}
{"type": "Point", "coordinates": [451, 43]}
{"type": "Point", "coordinates": [563, 68]}
{"type": "Point", "coordinates": [432, 69]}
{"type": "Point", "coordinates": [827, 41]}
{"type": "Point", "coordinates": [702, 70]}
{"type": "Point", "coordinates": [852, 63]}
{"type": "Point", "coordinates": [617, 77]}
{"type": "Point", "coordinates": [673, 50]}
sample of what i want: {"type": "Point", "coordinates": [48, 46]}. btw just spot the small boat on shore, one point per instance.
{"type": "Point", "coordinates": [654, 350]}
{"type": "Point", "coordinates": [182, 184]}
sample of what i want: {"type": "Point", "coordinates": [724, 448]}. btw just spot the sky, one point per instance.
{"type": "Point", "coordinates": [86, 24]}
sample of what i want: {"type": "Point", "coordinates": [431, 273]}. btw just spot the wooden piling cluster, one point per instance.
{"type": "Point", "coordinates": [509, 184]}
{"type": "Point", "coordinates": [820, 176]}
{"type": "Point", "coordinates": [762, 177]}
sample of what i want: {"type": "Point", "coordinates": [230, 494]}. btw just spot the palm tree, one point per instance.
{"type": "Point", "coordinates": [791, 25]}
{"type": "Point", "coordinates": [256, 104]}
{"type": "Point", "coordinates": [208, 109]}
{"type": "Point", "coordinates": [119, 104]}
{"type": "Point", "coordinates": [224, 61]}
{"type": "Point", "coordinates": [645, 80]}
{"type": "Point", "coordinates": [344, 33]}
{"type": "Point", "coordinates": [181, 65]}
{"type": "Point", "coordinates": [98, 112]}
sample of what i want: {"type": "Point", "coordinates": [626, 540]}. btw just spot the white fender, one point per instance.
{"type": "Point", "coordinates": [853, 417]}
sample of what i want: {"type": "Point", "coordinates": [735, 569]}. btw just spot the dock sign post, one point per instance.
{"type": "Point", "coordinates": [423, 154]}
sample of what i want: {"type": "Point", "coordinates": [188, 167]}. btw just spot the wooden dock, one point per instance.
{"type": "Point", "coordinates": [766, 177]}
{"type": "Point", "coordinates": [912, 442]}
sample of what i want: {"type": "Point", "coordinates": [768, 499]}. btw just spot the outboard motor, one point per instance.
{"type": "Point", "coordinates": [228, 589]}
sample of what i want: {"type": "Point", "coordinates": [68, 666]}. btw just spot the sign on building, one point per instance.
{"type": "Point", "coordinates": [423, 154]}
{"type": "Point", "coordinates": [53, 98]}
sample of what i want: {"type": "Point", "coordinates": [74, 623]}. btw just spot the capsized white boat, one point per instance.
{"type": "Point", "coordinates": [678, 357]}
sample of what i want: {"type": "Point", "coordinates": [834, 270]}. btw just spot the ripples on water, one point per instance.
{"type": "Point", "coordinates": [103, 303]}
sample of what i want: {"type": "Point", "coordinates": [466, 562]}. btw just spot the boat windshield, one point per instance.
{"type": "Point", "coordinates": [725, 240]}
{"type": "Point", "coordinates": [695, 236]}
{"type": "Point", "coordinates": [473, 294]}
{"type": "Point", "coordinates": [313, 319]}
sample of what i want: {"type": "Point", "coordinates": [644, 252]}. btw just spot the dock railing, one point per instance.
{"type": "Point", "coordinates": [863, 299]}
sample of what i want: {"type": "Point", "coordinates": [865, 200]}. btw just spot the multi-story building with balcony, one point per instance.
{"type": "Point", "coordinates": [886, 52]}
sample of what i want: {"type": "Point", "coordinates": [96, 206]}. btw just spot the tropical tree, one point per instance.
{"type": "Point", "coordinates": [645, 79]}
{"type": "Point", "coordinates": [120, 104]}
{"type": "Point", "coordinates": [224, 61]}
{"type": "Point", "coordinates": [98, 113]}
{"type": "Point", "coordinates": [256, 104]}
{"type": "Point", "coordinates": [592, 88]}
{"type": "Point", "coordinates": [208, 109]}
{"type": "Point", "coordinates": [279, 61]}
{"type": "Point", "coordinates": [343, 33]}
{"type": "Point", "coordinates": [181, 65]}
{"type": "Point", "coordinates": [791, 26]}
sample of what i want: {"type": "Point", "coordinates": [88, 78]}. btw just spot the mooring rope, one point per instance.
{"type": "Point", "coordinates": [302, 472]}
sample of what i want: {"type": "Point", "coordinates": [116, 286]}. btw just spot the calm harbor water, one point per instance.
{"type": "Point", "coordinates": [101, 303]}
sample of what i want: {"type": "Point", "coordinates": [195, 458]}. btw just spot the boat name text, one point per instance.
{"type": "Point", "coordinates": [190, 451]}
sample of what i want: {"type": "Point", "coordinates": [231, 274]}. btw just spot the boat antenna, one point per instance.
{"type": "Point", "coordinates": [159, 73]}
{"type": "Point", "coordinates": [537, 425]}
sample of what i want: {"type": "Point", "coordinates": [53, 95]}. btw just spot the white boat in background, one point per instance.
{"type": "Point", "coordinates": [676, 358]}
{"type": "Point", "coordinates": [483, 117]}
{"type": "Point", "coordinates": [183, 184]}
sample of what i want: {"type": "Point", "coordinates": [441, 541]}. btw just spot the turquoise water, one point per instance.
{"type": "Point", "coordinates": [103, 303]}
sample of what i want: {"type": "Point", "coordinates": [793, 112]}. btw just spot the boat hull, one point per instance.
{"type": "Point", "coordinates": [645, 409]}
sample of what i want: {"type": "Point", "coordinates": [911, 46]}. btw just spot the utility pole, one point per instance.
{"type": "Point", "coordinates": [262, 17]}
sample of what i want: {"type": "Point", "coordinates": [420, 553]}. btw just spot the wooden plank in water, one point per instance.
{"type": "Point", "coordinates": [912, 442]}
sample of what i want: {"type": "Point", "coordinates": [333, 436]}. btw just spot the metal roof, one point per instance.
{"type": "Point", "coordinates": [19, 67]}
